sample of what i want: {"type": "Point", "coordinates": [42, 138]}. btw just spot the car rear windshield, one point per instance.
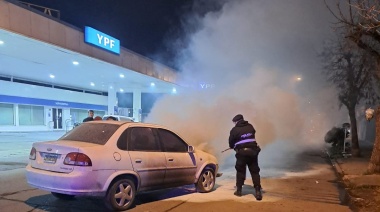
{"type": "Point", "coordinates": [91, 133]}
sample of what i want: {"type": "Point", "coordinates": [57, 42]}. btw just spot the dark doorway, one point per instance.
{"type": "Point", "coordinates": [57, 118]}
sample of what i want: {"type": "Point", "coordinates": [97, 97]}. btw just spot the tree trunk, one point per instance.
{"type": "Point", "coordinates": [374, 163]}
{"type": "Point", "coordinates": [377, 73]}
{"type": "Point", "coordinates": [355, 149]}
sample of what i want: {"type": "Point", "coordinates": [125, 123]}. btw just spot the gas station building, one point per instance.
{"type": "Point", "coordinates": [52, 73]}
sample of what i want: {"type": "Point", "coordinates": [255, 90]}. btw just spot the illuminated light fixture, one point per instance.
{"type": "Point", "coordinates": [52, 76]}
{"type": "Point", "coordinates": [92, 84]}
{"type": "Point", "coordinates": [121, 90]}
{"type": "Point", "coordinates": [174, 90]}
{"type": "Point", "coordinates": [298, 78]}
{"type": "Point", "coordinates": [1, 42]}
{"type": "Point", "coordinates": [152, 84]}
{"type": "Point", "coordinates": [76, 63]}
{"type": "Point", "coordinates": [121, 75]}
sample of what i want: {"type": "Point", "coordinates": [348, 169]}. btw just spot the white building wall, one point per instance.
{"type": "Point", "coordinates": [32, 91]}
{"type": "Point", "coordinates": [66, 121]}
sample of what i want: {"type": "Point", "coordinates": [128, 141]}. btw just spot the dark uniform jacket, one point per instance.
{"type": "Point", "coordinates": [88, 119]}
{"type": "Point", "coordinates": [242, 131]}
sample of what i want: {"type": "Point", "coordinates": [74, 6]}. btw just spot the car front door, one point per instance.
{"type": "Point", "coordinates": [180, 164]}
{"type": "Point", "coordinates": [147, 158]}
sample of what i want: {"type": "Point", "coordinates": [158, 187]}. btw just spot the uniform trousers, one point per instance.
{"type": "Point", "coordinates": [247, 157]}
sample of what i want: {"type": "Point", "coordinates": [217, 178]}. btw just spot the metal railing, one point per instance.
{"type": "Point", "coordinates": [46, 10]}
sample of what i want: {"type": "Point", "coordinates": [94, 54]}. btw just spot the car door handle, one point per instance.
{"type": "Point", "coordinates": [138, 161]}
{"type": "Point", "coordinates": [171, 159]}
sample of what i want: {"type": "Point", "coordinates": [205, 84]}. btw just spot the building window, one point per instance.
{"type": "Point", "coordinates": [31, 115]}
{"type": "Point", "coordinates": [7, 114]}
{"type": "Point", "coordinates": [77, 115]}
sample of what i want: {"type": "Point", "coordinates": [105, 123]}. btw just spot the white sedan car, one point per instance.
{"type": "Point", "coordinates": [117, 160]}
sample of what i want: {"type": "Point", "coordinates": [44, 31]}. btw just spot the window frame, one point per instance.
{"type": "Point", "coordinates": [162, 143]}
{"type": "Point", "coordinates": [9, 118]}
{"type": "Point", "coordinates": [129, 139]}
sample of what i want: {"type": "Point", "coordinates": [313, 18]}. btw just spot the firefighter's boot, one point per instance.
{"type": "Point", "coordinates": [238, 191]}
{"type": "Point", "coordinates": [258, 195]}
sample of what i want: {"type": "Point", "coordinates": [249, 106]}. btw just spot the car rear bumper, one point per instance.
{"type": "Point", "coordinates": [88, 183]}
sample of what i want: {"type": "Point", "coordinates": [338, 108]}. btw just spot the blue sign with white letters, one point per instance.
{"type": "Point", "coordinates": [101, 40]}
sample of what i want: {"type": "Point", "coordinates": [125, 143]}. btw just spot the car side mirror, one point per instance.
{"type": "Point", "coordinates": [190, 149]}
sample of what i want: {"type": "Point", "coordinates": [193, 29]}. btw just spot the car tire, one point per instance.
{"type": "Point", "coordinates": [121, 194]}
{"type": "Point", "coordinates": [206, 181]}
{"type": "Point", "coordinates": [63, 196]}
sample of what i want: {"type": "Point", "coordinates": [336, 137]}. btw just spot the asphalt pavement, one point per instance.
{"type": "Point", "coordinates": [304, 182]}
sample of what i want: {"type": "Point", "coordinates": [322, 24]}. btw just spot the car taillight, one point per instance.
{"type": "Point", "coordinates": [32, 154]}
{"type": "Point", "coordinates": [77, 159]}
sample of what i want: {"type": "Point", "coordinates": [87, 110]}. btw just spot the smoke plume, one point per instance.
{"type": "Point", "coordinates": [256, 58]}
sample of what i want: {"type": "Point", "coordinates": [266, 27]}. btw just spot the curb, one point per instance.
{"type": "Point", "coordinates": [346, 198]}
{"type": "Point", "coordinates": [337, 167]}
{"type": "Point", "coordinates": [335, 164]}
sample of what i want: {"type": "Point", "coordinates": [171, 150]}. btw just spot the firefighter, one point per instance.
{"type": "Point", "coordinates": [242, 140]}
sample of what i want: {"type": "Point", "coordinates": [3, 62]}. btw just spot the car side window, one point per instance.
{"type": "Point", "coordinates": [142, 139]}
{"type": "Point", "coordinates": [122, 141]}
{"type": "Point", "coordinates": [171, 142]}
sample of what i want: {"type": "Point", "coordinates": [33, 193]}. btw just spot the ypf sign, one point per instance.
{"type": "Point", "coordinates": [206, 85]}
{"type": "Point", "coordinates": [101, 40]}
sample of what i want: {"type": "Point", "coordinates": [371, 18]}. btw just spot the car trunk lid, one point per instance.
{"type": "Point", "coordinates": [50, 155]}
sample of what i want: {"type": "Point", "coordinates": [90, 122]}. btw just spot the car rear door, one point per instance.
{"type": "Point", "coordinates": [180, 164]}
{"type": "Point", "coordinates": [146, 156]}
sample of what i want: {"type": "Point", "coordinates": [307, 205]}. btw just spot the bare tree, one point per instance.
{"type": "Point", "coordinates": [361, 18]}
{"type": "Point", "coordinates": [348, 68]}
{"type": "Point", "coordinates": [361, 21]}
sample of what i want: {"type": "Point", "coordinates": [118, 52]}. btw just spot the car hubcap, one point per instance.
{"type": "Point", "coordinates": [124, 195]}
{"type": "Point", "coordinates": [208, 180]}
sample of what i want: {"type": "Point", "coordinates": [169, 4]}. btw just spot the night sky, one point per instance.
{"type": "Point", "coordinates": [147, 27]}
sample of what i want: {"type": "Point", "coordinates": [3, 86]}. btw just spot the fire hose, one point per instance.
{"type": "Point", "coordinates": [226, 150]}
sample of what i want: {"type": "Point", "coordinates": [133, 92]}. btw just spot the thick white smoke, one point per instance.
{"type": "Point", "coordinates": [252, 52]}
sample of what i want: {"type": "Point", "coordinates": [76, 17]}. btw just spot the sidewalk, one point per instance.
{"type": "Point", "coordinates": [16, 146]}
{"type": "Point", "coordinates": [363, 191]}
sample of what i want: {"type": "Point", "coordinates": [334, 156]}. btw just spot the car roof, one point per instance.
{"type": "Point", "coordinates": [135, 124]}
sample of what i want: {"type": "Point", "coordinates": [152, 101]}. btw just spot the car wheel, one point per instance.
{"type": "Point", "coordinates": [63, 196]}
{"type": "Point", "coordinates": [206, 181]}
{"type": "Point", "coordinates": [121, 194]}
